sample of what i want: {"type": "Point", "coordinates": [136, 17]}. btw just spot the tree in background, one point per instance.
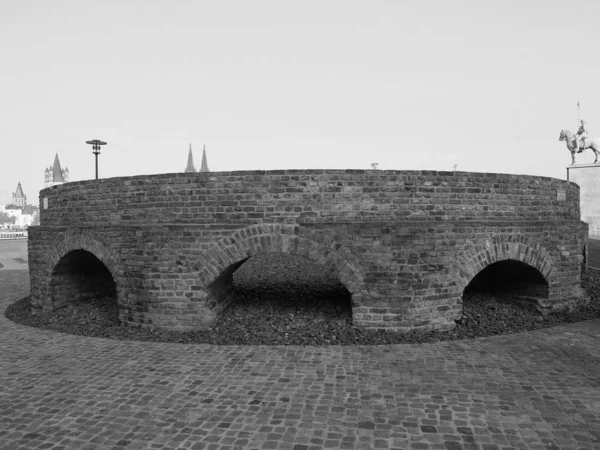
{"type": "Point", "coordinates": [6, 219]}
{"type": "Point", "coordinates": [30, 209]}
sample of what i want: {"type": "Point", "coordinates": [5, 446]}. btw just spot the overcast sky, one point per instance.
{"type": "Point", "coordinates": [284, 84]}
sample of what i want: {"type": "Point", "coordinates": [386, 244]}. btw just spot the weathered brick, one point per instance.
{"type": "Point", "coordinates": [404, 243]}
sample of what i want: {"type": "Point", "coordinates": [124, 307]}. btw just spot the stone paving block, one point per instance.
{"type": "Point", "coordinates": [538, 390]}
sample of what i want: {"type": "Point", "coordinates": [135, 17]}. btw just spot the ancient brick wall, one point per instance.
{"type": "Point", "coordinates": [404, 243]}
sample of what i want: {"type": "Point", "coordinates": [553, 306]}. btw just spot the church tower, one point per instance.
{"type": "Point", "coordinates": [204, 166]}
{"type": "Point", "coordinates": [190, 163]}
{"type": "Point", "coordinates": [18, 197]}
{"type": "Point", "coordinates": [54, 174]}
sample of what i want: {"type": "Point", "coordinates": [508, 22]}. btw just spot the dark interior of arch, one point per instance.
{"type": "Point", "coordinates": [221, 292]}
{"type": "Point", "coordinates": [80, 276]}
{"type": "Point", "coordinates": [283, 284]}
{"type": "Point", "coordinates": [510, 277]}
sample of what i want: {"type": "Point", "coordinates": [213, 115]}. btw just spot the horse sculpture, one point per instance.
{"type": "Point", "coordinates": [574, 146]}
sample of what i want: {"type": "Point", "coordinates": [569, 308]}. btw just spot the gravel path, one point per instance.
{"type": "Point", "coordinates": [594, 253]}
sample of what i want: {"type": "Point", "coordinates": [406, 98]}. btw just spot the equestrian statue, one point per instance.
{"type": "Point", "coordinates": [578, 142]}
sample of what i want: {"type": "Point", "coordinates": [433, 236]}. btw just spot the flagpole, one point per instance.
{"type": "Point", "coordinates": [578, 113]}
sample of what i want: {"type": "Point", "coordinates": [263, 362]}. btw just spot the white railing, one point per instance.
{"type": "Point", "coordinates": [11, 234]}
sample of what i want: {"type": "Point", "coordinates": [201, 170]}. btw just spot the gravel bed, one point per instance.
{"type": "Point", "coordinates": [594, 252]}
{"type": "Point", "coordinates": [287, 300]}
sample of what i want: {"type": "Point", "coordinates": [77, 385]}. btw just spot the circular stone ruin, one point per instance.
{"type": "Point", "coordinates": [405, 244]}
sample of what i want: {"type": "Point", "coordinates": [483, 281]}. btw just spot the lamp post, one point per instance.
{"type": "Point", "coordinates": [96, 150]}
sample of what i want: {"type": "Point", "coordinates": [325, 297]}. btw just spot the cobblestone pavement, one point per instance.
{"type": "Point", "coordinates": [11, 252]}
{"type": "Point", "coordinates": [538, 390]}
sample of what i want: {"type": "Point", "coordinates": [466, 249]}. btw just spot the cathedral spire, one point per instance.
{"type": "Point", "coordinates": [19, 191]}
{"type": "Point", "coordinates": [190, 162]}
{"type": "Point", "coordinates": [204, 167]}
{"type": "Point", "coordinates": [57, 173]}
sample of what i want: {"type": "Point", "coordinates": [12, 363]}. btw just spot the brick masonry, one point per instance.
{"type": "Point", "coordinates": [404, 243]}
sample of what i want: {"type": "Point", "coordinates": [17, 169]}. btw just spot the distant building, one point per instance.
{"type": "Point", "coordinates": [190, 162]}
{"type": "Point", "coordinates": [21, 220]}
{"type": "Point", "coordinates": [54, 175]}
{"type": "Point", "coordinates": [18, 197]}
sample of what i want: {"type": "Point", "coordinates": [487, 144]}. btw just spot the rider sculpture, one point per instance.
{"type": "Point", "coordinates": [580, 141]}
{"type": "Point", "coordinates": [582, 135]}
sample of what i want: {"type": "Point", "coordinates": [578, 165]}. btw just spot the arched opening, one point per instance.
{"type": "Point", "coordinates": [80, 276]}
{"type": "Point", "coordinates": [280, 295]}
{"type": "Point", "coordinates": [584, 261]}
{"type": "Point", "coordinates": [509, 280]}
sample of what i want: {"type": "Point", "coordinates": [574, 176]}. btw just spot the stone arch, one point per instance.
{"type": "Point", "coordinates": [475, 258]}
{"type": "Point", "coordinates": [316, 245]}
{"type": "Point", "coordinates": [74, 240]}
{"type": "Point", "coordinates": [88, 240]}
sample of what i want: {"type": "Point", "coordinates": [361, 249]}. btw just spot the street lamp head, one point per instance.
{"type": "Point", "coordinates": [96, 143]}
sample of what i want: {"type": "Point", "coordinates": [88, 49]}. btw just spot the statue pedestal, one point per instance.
{"type": "Point", "coordinates": [587, 176]}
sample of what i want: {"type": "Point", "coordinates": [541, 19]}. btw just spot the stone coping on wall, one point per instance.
{"type": "Point", "coordinates": [575, 166]}
{"type": "Point", "coordinates": [416, 173]}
